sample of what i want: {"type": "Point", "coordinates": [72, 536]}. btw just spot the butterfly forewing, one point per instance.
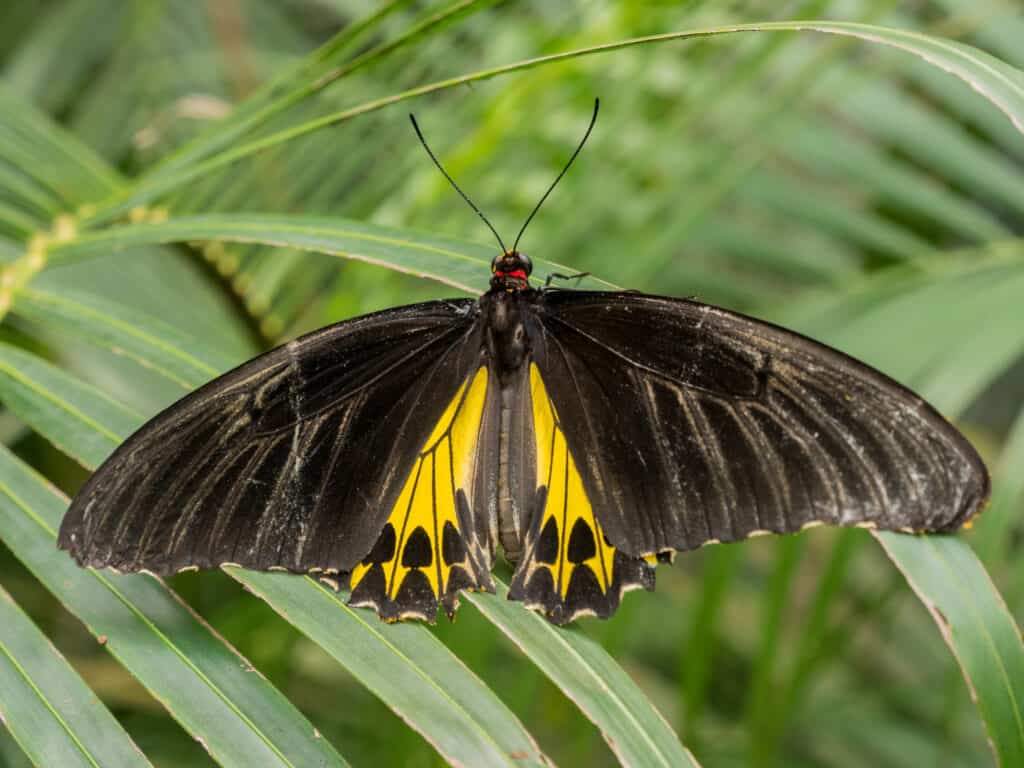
{"type": "Point", "coordinates": [694, 424]}
{"type": "Point", "coordinates": [292, 461]}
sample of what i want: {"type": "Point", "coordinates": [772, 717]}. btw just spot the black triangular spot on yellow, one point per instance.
{"type": "Point", "coordinates": [569, 567]}
{"type": "Point", "coordinates": [415, 596]}
{"type": "Point", "coordinates": [422, 556]}
{"type": "Point", "coordinates": [453, 550]}
{"type": "Point", "coordinates": [542, 584]}
{"type": "Point", "coordinates": [583, 589]}
{"type": "Point", "coordinates": [417, 553]}
{"type": "Point", "coordinates": [384, 549]}
{"type": "Point", "coordinates": [372, 584]}
{"type": "Point", "coordinates": [581, 543]}
{"type": "Point", "coordinates": [460, 579]}
{"type": "Point", "coordinates": [547, 544]}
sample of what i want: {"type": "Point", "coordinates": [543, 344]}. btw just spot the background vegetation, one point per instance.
{"type": "Point", "coordinates": [177, 183]}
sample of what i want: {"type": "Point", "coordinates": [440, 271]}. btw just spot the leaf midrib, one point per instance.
{"type": "Point", "coordinates": [46, 702]}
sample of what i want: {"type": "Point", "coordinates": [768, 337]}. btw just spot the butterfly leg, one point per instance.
{"type": "Point", "coordinates": [559, 276]}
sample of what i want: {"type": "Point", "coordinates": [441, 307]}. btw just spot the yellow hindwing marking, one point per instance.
{"type": "Point", "coordinates": [566, 503]}
{"type": "Point", "coordinates": [427, 501]}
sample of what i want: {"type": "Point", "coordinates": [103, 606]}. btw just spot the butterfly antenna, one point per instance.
{"type": "Point", "coordinates": [456, 186]}
{"type": "Point", "coordinates": [593, 119]}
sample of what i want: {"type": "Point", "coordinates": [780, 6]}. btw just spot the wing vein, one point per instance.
{"type": "Point", "coordinates": [710, 449]}
{"type": "Point", "coordinates": [638, 365]}
{"type": "Point", "coordinates": [842, 437]}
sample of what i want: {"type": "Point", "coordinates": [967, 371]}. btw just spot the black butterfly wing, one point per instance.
{"type": "Point", "coordinates": [294, 460]}
{"type": "Point", "coordinates": [692, 424]}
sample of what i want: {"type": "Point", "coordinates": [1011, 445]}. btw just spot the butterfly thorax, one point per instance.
{"type": "Point", "coordinates": [507, 341]}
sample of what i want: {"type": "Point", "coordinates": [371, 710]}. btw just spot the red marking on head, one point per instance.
{"type": "Point", "coordinates": [520, 273]}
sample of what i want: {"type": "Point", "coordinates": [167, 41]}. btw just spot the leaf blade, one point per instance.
{"type": "Point", "coordinates": [203, 682]}
{"type": "Point", "coordinates": [943, 571]}
{"type": "Point", "coordinates": [997, 81]}
{"type": "Point", "coordinates": [50, 711]}
{"type": "Point", "coordinates": [146, 340]}
{"type": "Point", "coordinates": [461, 264]}
{"type": "Point", "coordinates": [976, 626]}
{"type": "Point", "coordinates": [629, 723]}
{"type": "Point", "coordinates": [437, 683]}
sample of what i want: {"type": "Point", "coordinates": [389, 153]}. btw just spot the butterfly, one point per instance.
{"type": "Point", "coordinates": [588, 435]}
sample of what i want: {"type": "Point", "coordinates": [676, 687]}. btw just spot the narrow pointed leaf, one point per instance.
{"type": "Point", "coordinates": [52, 714]}
{"type": "Point", "coordinates": [633, 728]}
{"type": "Point", "coordinates": [944, 571]}
{"type": "Point", "coordinates": [238, 717]}
{"type": "Point", "coordinates": [104, 324]}
{"type": "Point", "coordinates": [77, 417]}
{"type": "Point", "coordinates": [952, 583]}
{"type": "Point", "coordinates": [407, 667]}
{"type": "Point", "coordinates": [461, 264]}
{"type": "Point", "coordinates": [47, 153]}
{"type": "Point", "coordinates": [1000, 83]}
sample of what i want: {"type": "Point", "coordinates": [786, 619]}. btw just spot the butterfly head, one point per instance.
{"type": "Point", "coordinates": [511, 270]}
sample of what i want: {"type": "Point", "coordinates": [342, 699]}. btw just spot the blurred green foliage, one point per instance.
{"type": "Point", "coordinates": [850, 191]}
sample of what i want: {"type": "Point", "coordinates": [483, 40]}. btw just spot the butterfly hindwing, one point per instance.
{"type": "Point", "coordinates": [569, 567]}
{"type": "Point", "coordinates": [427, 550]}
{"type": "Point", "coordinates": [698, 424]}
{"type": "Point", "coordinates": [291, 461]}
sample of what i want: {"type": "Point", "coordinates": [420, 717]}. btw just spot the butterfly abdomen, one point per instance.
{"type": "Point", "coordinates": [506, 315]}
{"type": "Point", "coordinates": [516, 477]}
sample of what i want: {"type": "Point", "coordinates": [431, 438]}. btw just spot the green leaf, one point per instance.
{"type": "Point", "coordinates": [62, 165]}
{"type": "Point", "coordinates": [995, 536]}
{"type": "Point", "coordinates": [60, 56]}
{"type": "Point", "coordinates": [633, 728]}
{"type": "Point", "coordinates": [313, 74]}
{"type": "Point", "coordinates": [761, 703]}
{"type": "Point", "coordinates": [952, 583]}
{"type": "Point", "coordinates": [923, 327]}
{"type": "Point", "coordinates": [121, 330]}
{"type": "Point", "coordinates": [935, 141]}
{"type": "Point", "coordinates": [239, 718]}
{"type": "Point", "coordinates": [78, 418]}
{"type": "Point", "coordinates": [995, 80]}
{"type": "Point", "coordinates": [52, 714]}
{"type": "Point", "coordinates": [851, 159]}
{"type": "Point", "coordinates": [921, 331]}
{"type": "Point", "coordinates": [458, 263]}
{"type": "Point", "coordinates": [822, 210]}
{"type": "Point", "coordinates": [406, 667]}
